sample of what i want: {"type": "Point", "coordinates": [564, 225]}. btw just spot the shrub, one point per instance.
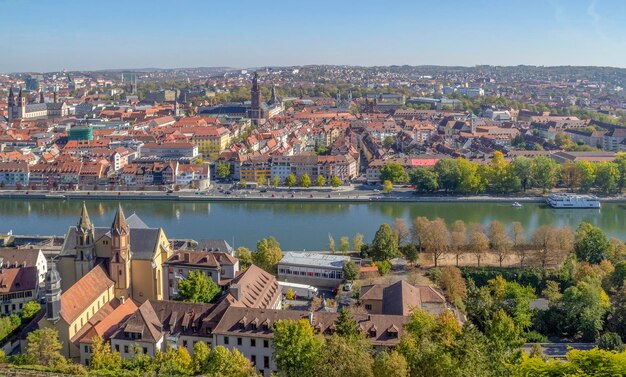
{"type": "Point", "coordinates": [383, 267]}
{"type": "Point", "coordinates": [290, 295]}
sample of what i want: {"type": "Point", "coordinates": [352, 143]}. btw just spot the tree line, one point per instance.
{"type": "Point", "coordinates": [464, 177]}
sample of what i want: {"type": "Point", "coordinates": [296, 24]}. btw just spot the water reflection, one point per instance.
{"type": "Point", "coordinates": [297, 225]}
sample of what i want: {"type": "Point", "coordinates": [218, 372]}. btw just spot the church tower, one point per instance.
{"type": "Point", "coordinates": [11, 102]}
{"type": "Point", "coordinates": [119, 268]}
{"type": "Point", "coordinates": [85, 245]}
{"type": "Point", "coordinates": [21, 103]}
{"type": "Point", "coordinates": [53, 293]}
{"type": "Point", "coordinates": [255, 113]}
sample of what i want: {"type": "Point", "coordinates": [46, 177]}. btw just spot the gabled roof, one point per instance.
{"type": "Point", "coordinates": [84, 292]}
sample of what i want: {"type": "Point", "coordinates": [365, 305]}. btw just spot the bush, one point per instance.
{"type": "Point", "coordinates": [535, 337]}
{"type": "Point", "coordinates": [535, 277]}
{"type": "Point", "coordinates": [290, 295]}
{"type": "Point", "coordinates": [383, 267]}
{"type": "Point", "coordinates": [610, 341]}
{"type": "Point", "coordinates": [434, 274]}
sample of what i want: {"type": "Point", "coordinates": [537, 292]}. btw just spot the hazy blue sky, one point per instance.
{"type": "Point", "coordinates": [63, 34]}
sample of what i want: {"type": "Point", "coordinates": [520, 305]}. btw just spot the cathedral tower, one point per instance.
{"type": "Point", "coordinates": [53, 293]}
{"type": "Point", "coordinates": [120, 255]}
{"type": "Point", "coordinates": [255, 113]}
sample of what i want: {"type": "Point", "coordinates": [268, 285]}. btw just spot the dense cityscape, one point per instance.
{"type": "Point", "coordinates": [367, 219]}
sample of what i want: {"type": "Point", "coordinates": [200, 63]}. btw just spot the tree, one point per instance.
{"type": "Point", "coordinates": [200, 358]}
{"type": "Point", "coordinates": [385, 244]}
{"type": "Point", "coordinates": [620, 161]}
{"type": "Point", "coordinates": [357, 242]}
{"type": "Point", "coordinates": [402, 231]}
{"type": "Point", "coordinates": [437, 239]}
{"type": "Point", "coordinates": [30, 309]}
{"type": "Point", "coordinates": [424, 180]}
{"type": "Point", "coordinates": [344, 244]}
{"type": "Point", "coordinates": [305, 181]}
{"type": "Point", "coordinates": [331, 243]}
{"type": "Point", "coordinates": [553, 243]}
{"type": "Point", "coordinates": [571, 176]}
{"type": "Point", "coordinates": [419, 230]}
{"type": "Point", "coordinates": [268, 254]}
{"type": "Point", "coordinates": [544, 171]}
{"type": "Point", "coordinates": [393, 172]}
{"type": "Point", "coordinates": [335, 181]}
{"type": "Point", "coordinates": [448, 172]}
{"type": "Point", "coordinates": [591, 244]}
{"type": "Point", "coordinates": [387, 186]}
{"type": "Point", "coordinates": [320, 181]}
{"type": "Point", "coordinates": [610, 341]}
{"type": "Point", "coordinates": [501, 174]}
{"type": "Point", "coordinates": [223, 171]}
{"type": "Point", "coordinates": [391, 364]}
{"type": "Point", "coordinates": [346, 326]}
{"type": "Point", "coordinates": [458, 238]}
{"type": "Point", "coordinates": [350, 271]}
{"type": "Point", "coordinates": [587, 173]}
{"type": "Point", "coordinates": [504, 336]}
{"type": "Point", "coordinates": [295, 348]}
{"type": "Point", "coordinates": [478, 242]}
{"type": "Point", "coordinates": [518, 238]}
{"type": "Point", "coordinates": [500, 242]}
{"type": "Point", "coordinates": [275, 181]}
{"type": "Point", "coordinates": [521, 168]}
{"type": "Point", "coordinates": [290, 181]}
{"type": "Point", "coordinates": [585, 305]}
{"type": "Point", "coordinates": [44, 347]}
{"type": "Point", "coordinates": [469, 180]}
{"type": "Point", "coordinates": [197, 287]}
{"type": "Point", "coordinates": [345, 357]}
{"type": "Point", "coordinates": [607, 177]}
{"type": "Point", "coordinates": [102, 358]}
{"type": "Point", "coordinates": [224, 363]}
{"type": "Point", "coordinates": [453, 285]}
{"type": "Point", "coordinates": [244, 255]}
{"type": "Point", "coordinates": [410, 253]}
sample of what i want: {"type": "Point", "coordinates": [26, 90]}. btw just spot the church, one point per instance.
{"type": "Point", "coordinates": [260, 111]}
{"type": "Point", "coordinates": [102, 271]}
{"type": "Point", "coordinates": [20, 108]}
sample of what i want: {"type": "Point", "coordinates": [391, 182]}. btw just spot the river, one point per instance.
{"type": "Point", "coordinates": [296, 225]}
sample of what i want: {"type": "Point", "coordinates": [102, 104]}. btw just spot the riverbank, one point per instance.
{"type": "Point", "coordinates": [335, 196]}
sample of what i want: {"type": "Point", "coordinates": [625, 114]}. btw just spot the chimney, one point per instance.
{"type": "Point", "coordinates": [122, 299]}
{"type": "Point", "coordinates": [185, 257]}
{"type": "Point", "coordinates": [235, 290]}
{"type": "Point", "coordinates": [311, 318]}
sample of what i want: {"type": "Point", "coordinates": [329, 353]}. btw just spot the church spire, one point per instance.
{"type": "Point", "coordinates": [84, 222]}
{"type": "Point", "coordinates": [120, 226]}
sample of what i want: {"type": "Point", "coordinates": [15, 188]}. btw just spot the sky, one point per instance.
{"type": "Point", "coordinates": [55, 35]}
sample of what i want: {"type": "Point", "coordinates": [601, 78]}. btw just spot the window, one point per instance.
{"type": "Point", "coordinates": [117, 347]}
{"type": "Point", "coordinates": [253, 359]}
{"type": "Point", "coordinates": [145, 350]}
{"type": "Point", "coordinates": [266, 361]}
{"type": "Point", "coordinates": [125, 349]}
{"type": "Point", "coordinates": [86, 349]}
{"type": "Point", "coordinates": [239, 341]}
{"type": "Point", "coordinates": [368, 307]}
{"type": "Point", "coordinates": [266, 343]}
{"type": "Point", "coordinates": [225, 340]}
{"type": "Point", "coordinates": [184, 343]}
{"type": "Point", "coordinates": [252, 342]}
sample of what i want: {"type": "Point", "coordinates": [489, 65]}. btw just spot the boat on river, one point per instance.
{"type": "Point", "coordinates": [573, 201]}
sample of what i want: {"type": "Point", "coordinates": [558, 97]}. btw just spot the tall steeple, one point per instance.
{"type": "Point", "coordinates": [255, 113]}
{"type": "Point", "coordinates": [11, 99]}
{"type": "Point", "coordinates": [85, 245]}
{"type": "Point", "coordinates": [119, 267]}
{"type": "Point", "coordinates": [42, 99]}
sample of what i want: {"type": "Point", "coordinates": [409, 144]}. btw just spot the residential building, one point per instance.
{"type": "Point", "coordinates": [320, 270]}
{"type": "Point", "coordinates": [401, 298]}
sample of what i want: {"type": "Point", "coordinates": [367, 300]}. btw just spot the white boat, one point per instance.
{"type": "Point", "coordinates": [516, 205]}
{"type": "Point", "coordinates": [572, 201]}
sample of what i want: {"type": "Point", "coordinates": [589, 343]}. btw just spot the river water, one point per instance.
{"type": "Point", "coordinates": [296, 225]}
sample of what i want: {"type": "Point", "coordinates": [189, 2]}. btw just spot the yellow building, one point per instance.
{"type": "Point", "coordinates": [211, 139]}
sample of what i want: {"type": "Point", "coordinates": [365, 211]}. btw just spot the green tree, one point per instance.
{"type": "Point", "coordinates": [244, 255]}
{"type": "Point", "coordinates": [453, 285]}
{"type": "Point", "coordinates": [344, 244]}
{"type": "Point", "coordinates": [346, 326]}
{"type": "Point", "coordinates": [522, 169]}
{"type": "Point", "coordinates": [44, 347]}
{"type": "Point", "coordinates": [305, 181]}
{"type": "Point", "coordinates": [424, 179]}
{"type": "Point", "coordinates": [385, 244]}
{"type": "Point", "coordinates": [587, 173]}
{"type": "Point", "coordinates": [469, 180]}
{"type": "Point", "coordinates": [545, 172]}
{"type": "Point", "coordinates": [320, 181]}
{"type": "Point", "coordinates": [268, 254]}
{"type": "Point", "coordinates": [296, 348]}
{"type": "Point", "coordinates": [448, 172]}
{"type": "Point", "coordinates": [501, 175]}
{"type": "Point", "coordinates": [30, 309]}
{"type": "Point", "coordinates": [290, 181]}
{"type": "Point", "coordinates": [387, 186]}
{"type": "Point", "coordinates": [335, 181]}
{"type": "Point", "coordinates": [610, 341]}
{"type": "Point", "coordinates": [607, 177]}
{"type": "Point", "coordinates": [504, 336]}
{"type": "Point", "coordinates": [275, 181]}
{"type": "Point", "coordinates": [102, 357]}
{"type": "Point", "coordinates": [620, 161]}
{"type": "Point", "coordinates": [200, 358]}
{"type": "Point", "coordinates": [390, 364]}
{"type": "Point", "coordinates": [350, 271]}
{"type": "Point", "coordinates": [585, 305]}
{"type": "Point", "coordinates": [345, 357]}
{"type": "Point", "coordinates": [223, 171]}
{"type": "Point", "coordinates": [224, 363]}
{"type": "Point", "coordinates": [394, 173]}
{"type": "Point", "coordinates": [197, 287]}
{"type": "Point", "coordinates": [591, 244]}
